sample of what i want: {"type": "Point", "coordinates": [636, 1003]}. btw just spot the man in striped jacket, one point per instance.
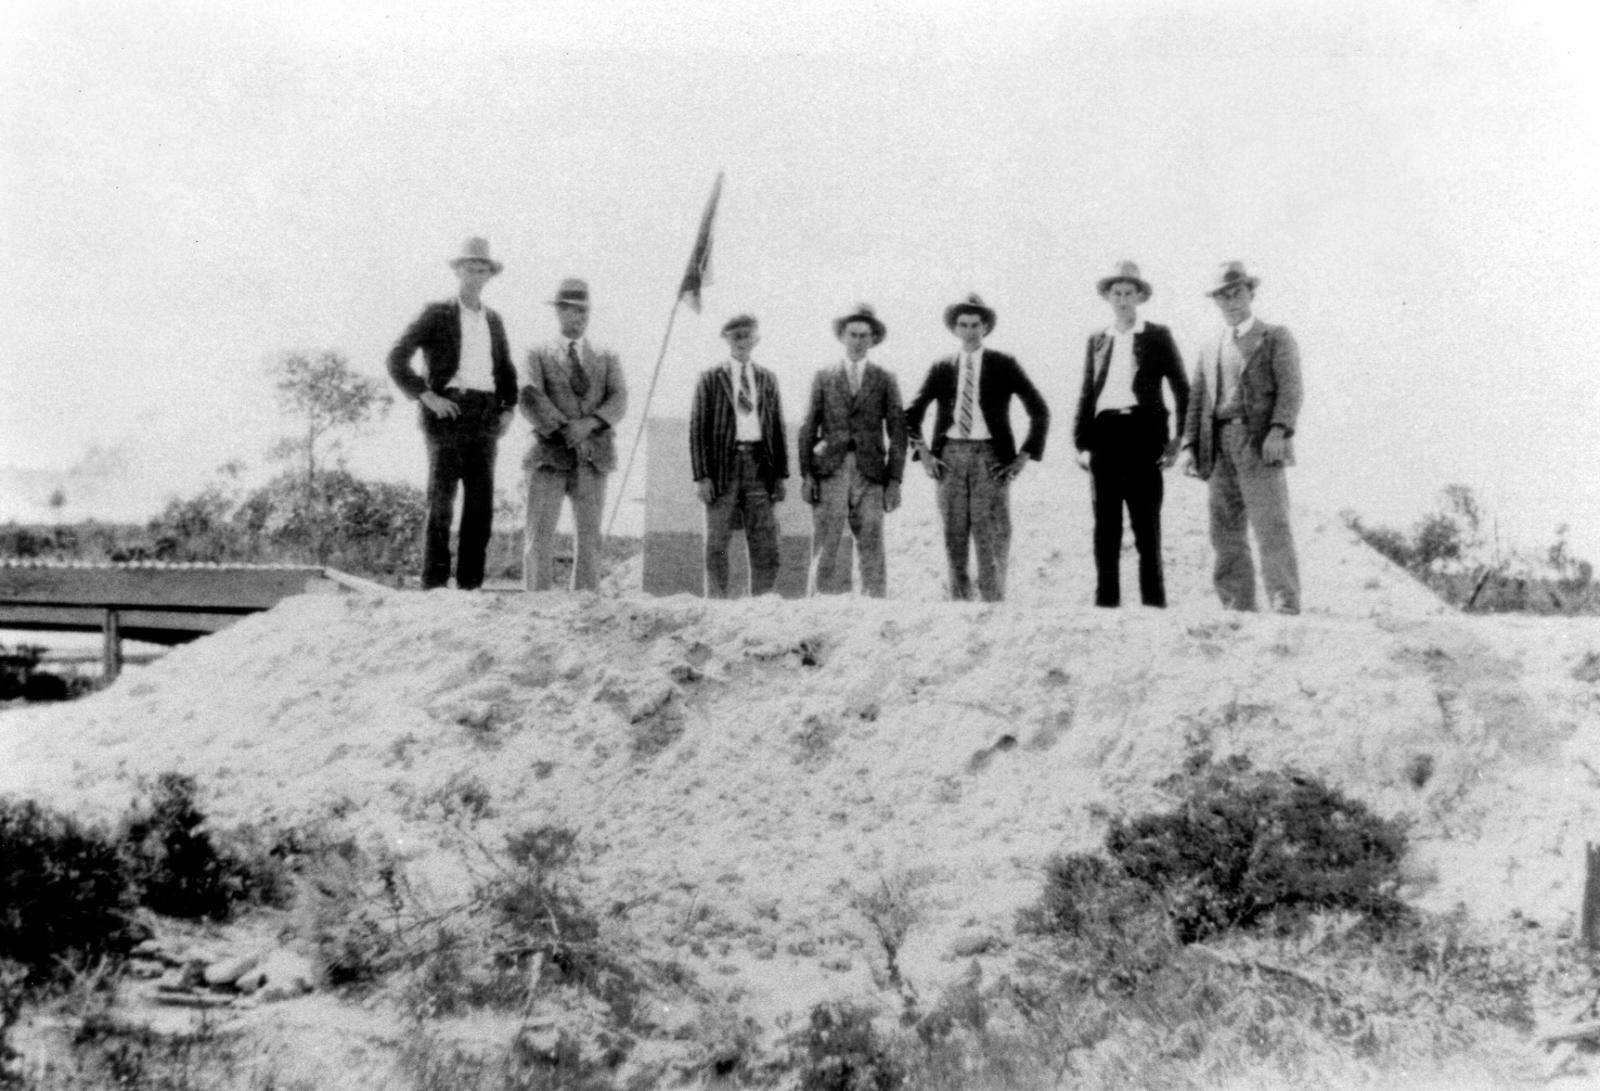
{"type": "Point", "coordinates": [738, 455]}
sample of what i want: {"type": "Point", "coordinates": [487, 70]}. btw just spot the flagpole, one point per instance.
{"type": "Point", "coordinates": [638, 433]}
{"type": "Point", "coordinates": [694, 278]}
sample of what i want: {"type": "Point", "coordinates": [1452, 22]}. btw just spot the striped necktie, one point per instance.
{"type": "Point", "coordinates": [964, 404]}
{"type": "Point", "coordinates": [746, 402]}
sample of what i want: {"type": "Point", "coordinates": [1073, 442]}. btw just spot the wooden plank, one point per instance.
{"type": "Point", "coordinates": [92, 619]}
{"type": "Point", "coordinates": [193, 588]}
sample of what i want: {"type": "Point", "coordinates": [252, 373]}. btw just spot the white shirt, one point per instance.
{"type": "Point", "coordinates": [854, 370]}
{"type": "Point", "coordinates": [972, 362]}
{"type": "Point", "coordinates": [747, 426]}
{"type": "Point", "coordinates": [477, 361]}
{"type": "Point", "coordinates": [1117, 391]}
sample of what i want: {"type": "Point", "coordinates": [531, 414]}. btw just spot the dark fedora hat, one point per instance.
{"type": "Point", "coordinates": [476, 249]}
{"type": "Point", "coordinates": [739, 322]}
{"type": "Point", "coordinates": [1125, 271]}
{"type": "Point", "coordinates": [971, 305]}
{"type": "Point", "coordinates": [572, 293]}
{"type": "Point", "coordinates": [862, 313]}
{"type": "Point", "coordinates": [1230, 273]}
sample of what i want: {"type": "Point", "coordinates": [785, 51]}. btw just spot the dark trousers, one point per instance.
{"type": "Point", "coordinates": [747, 501]}
{"type": "Point", "coordinates": [1125, 471]}
{"type": "Point", "coordinates": [461, 451]}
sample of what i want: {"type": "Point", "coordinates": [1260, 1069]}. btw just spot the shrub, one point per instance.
{"type": "Point", "coordinates": [180, 870]}
{"type": "Point", "coordinates": [1243, 846]}
{"type": "Point", "coordinates": [68, 901]}
{"type": "Point", "coordinates": [844, 1053]}
{"type": "Point", "coordinates": [1115, 926]}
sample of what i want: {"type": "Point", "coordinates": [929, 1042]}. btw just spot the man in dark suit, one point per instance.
{"type": "Point", "coordinates": [852, 452]}
{"type": "Point", "coordinates": [1121, 433]}
{"type": "Point", "coordinates": [974, 456]}
{"type": "Point", "coordinates": [1238, 436]}
{"type": "Point", "coordinates": [466, 398]}
{"type": "Point", "coordinates": [739, 456]}
{"type": "Point", "coordinates": [574, 395]}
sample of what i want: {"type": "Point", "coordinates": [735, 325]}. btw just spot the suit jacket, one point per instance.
{"type": "Point", "coordinates": [1155, 357]}
{"type": "Point", "coordinates": [841, 422]}
{"type": "Point", "coordinates": [437, 332]}
{"type": "Point", "coordinates": [713, 432]}
{"type": "Point", "coordinates": [1269, 391]}
{"type": "Point", "coordinates": [548, 401]}
{"type": "Point", "coordinates": [1000, 378]}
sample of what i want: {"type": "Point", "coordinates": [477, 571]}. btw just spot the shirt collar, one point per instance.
{"type": "Point", "coordinates": [1244, 327]}
{"type": "Point", "coordinates": [1138, 327]}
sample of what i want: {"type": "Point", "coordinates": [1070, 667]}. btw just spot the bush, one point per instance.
{"type": "Point", "coordinates": [1244, 846]}
{"type": "Point", "coordinates": [180, 870]}
{"type": "Point", "coordinates": [844, 1053]}
{"type": "Point", "coordinates": [68, 901]}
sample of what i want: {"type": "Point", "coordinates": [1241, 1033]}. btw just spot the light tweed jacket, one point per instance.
{"type": "Point", "coordinates": [548, 401]}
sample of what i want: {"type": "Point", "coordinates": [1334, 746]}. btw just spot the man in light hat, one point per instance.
{"type": "Point", "coordinates": [974, 457]}
{"type": "Point", "coordinates": [466, 398]}
{"type": "Point", "coordinates": [852, 452]}
{"type": "Point", "coordinates": [739, 456]}
{"type": "Point", "coordinates": [1121, 433]}
{"type": "Point", "coordinates": [574, 395]}
{"type": "Point", "coordinates": [1245, 399]}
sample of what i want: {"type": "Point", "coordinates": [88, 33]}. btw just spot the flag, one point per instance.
{"type": "Point", "coordinates": [698, 274]}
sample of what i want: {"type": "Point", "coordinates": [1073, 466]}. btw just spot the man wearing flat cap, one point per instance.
{"type": "Point", "coordinates": [852, 452]}
{"type": "Point", "coordinates": [739, 459]}
{"type": "Point", "coordinates": [574, 395]}
{"type": "Point", "coordinates": [1121, 432]}
{"type": "Point", "coordinates": [466, 397]}
{"type": "Point", "coordinates": [1244, 401]}
{"type": "Point", "coordinates": [973, 456]}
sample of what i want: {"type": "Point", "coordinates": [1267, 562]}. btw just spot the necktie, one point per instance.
{"type": "Point", "coordinates": [855, 377]}
{"type": "Point", "coordinates": [580, 381]}
{"type": "Point", "coordinates": [964, 404]}
{"type": "Point", "coordinates": [747, 403]}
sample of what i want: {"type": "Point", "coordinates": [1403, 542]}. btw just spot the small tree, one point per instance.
{"type": "Point", "coordinates": [328, 399]}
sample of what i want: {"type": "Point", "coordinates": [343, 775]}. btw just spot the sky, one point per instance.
{"type": "Point", "coordinates": [188, 190]}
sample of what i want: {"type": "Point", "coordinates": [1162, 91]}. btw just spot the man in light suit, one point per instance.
{"type": "Point", "coordinates": [974, 456]}
{"type": "Point", "coordinates": [575, 395]}
{"type": "Point", "coordinates": [739, 456]}
{"type": "Point", "coordinates": [466, 401]}
{"type": "Point", "coordinates": [1245, 399]}
{"type": "Point", "coordinates": [1121, 433]}
{"type": "Point", "coordinates": [852, 451]}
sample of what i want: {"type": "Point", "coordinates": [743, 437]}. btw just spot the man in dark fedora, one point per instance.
{"type": "Point", "coordinates": [973, 456]}
{"type": "Point", "coordinates": [852, 453]}
{"type": "Point", "coordinates": [1244, 401]}
{"type": "Point", "coordinates": [466, 396]}
{"type": "Point", "coordinates": [574, 394]}
{"type": "Point", "coordinates": [1122, 436]}
{"type": "Point", "coordinates": [738, 454]}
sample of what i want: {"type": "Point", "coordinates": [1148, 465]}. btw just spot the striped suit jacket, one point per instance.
{"type": "Point", "coordinates": [713, 433]}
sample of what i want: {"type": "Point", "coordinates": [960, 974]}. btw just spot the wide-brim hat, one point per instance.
{"type": "Point", "coordinates": [862, 313]}
{"type": "Point", "coordinates": [971, 305]}
{"type": "Point", "coordinates": [1124, 271]}
{"type": "Point", "coordinates": [476, 249]}
{"type": "Point", "coordinates": [573, 292]}
{"type": "Point", "coordinates": [1230, 273]}
{"type": "Point", "coordinates": [738, 322]}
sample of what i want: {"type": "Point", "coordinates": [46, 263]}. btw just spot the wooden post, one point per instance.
{"type": "Point", "coordinates": [112, 659]}
{"type": "Point", "coordinates": [1590, 929]}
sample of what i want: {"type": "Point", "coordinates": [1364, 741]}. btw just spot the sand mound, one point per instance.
{"type": "Point", "coordinates": [738, 771]}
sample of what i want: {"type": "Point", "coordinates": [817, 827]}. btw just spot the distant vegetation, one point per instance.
{"type": "Point", "coordinates": [1451, 552]}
